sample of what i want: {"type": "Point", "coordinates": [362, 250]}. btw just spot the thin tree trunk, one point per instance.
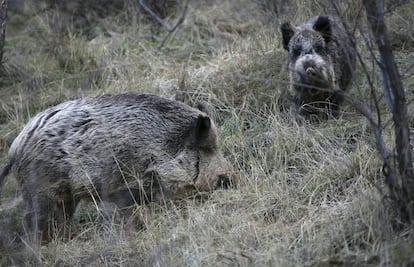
{"type": "Point", "coordinates": [375, 16]}
{"type": "Point", "coordinates": [3, 15]}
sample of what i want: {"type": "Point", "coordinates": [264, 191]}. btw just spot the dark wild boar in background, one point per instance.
{"type": "Point", "coordinates": [321, 62]}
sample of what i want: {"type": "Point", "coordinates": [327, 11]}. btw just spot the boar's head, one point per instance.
{"type": "Point", "coordinates": [199, 165]}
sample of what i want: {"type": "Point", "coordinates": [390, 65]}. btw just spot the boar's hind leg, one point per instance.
{"type": "Point", "coordinates": [64, 206]}
{"type": "Point", "coordinates": [49, 207]}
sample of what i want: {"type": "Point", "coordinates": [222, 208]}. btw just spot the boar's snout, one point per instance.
{"type": "Point", "coordinates": [223, 181]}
{"type": "Point", "coordinates": [311, 72]}
{"type": "Point", "coordinates": [309, 66]}
{"type": "Point", "coordinates": [218, 175]}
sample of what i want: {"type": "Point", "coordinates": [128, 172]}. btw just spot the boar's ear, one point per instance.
{"type": "Point", "coordinates": [206, 108]}
{"type": "Point", "coordinates": [323, 25]}
{"type": "Point", "coordinates": [202, 130]}
{"type": "Point", "coordinates": [287, 33]}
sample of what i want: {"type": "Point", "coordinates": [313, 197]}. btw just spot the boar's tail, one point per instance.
{"type": "Point", "coordinates": [4, 172]}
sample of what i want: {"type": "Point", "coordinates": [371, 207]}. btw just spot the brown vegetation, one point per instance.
{"type": "Point", "coordinates": [308, 194]}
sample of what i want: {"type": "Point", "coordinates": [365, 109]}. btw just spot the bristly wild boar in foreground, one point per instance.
{"type": "Point", "coordinates": [126, 149]}
{"type": "Point", "coordinates": [321, 62]}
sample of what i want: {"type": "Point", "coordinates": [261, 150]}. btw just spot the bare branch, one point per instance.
{"type": "Point", "coordinates": [404, 195]}
{"type": "Point", "coordinates": [386, 86]}
{"type": "Point", "coordinates": [3, 15]}
{"type": "Point", "coordinates": [401, 183]}
{"type": "Point", "coordinates": [170, 29]}
{"type": "Point", "coordinates": [152, 14]}
{"type": "Point", "coordinates": [394, 6]}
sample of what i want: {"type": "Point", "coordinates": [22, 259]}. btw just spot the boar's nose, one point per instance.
{"type": "Point", "coordinates": [223, 181]}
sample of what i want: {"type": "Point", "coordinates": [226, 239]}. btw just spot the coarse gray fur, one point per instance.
{"type": "Point", "coordinates": [125, 149]}
{"type": "Point", "coordinates": [321, 62]}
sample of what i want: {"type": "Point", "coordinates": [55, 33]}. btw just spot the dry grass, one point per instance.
{"type": "Point", "coordinates": [307, 194]}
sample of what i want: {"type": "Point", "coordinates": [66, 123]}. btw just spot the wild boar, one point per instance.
{"type": "Point", "coordinates": [126, 149]}
{"type": "Point", "coordinates": [321, 62]}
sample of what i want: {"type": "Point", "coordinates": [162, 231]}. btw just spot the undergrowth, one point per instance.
{"type": "Point", "coordinates": [309, 194]}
